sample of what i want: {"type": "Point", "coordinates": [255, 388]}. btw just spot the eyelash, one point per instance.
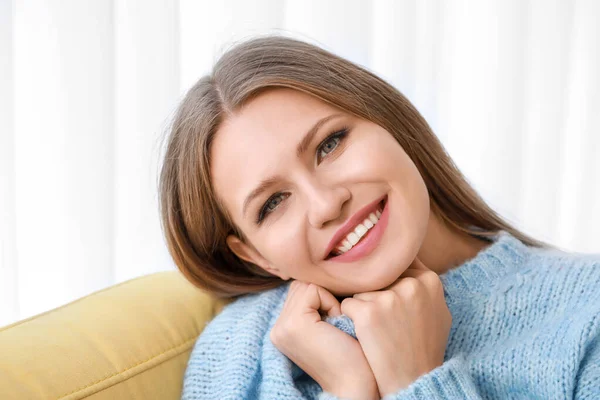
{"type": "Point", "coordinates": [340, 134]}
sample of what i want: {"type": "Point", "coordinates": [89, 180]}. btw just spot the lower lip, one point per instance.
{"type": "Point", "coordinates": [369, 242]}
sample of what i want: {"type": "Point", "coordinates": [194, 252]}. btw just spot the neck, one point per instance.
{"type": "Point", "coordinates": [445, 247]}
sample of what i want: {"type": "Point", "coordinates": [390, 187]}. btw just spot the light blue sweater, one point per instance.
{"type": "Point", "coordinates": [525, 325]}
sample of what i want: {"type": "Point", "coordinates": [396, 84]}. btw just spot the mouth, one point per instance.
{"type": "Point", "coordinates": [361, 234]}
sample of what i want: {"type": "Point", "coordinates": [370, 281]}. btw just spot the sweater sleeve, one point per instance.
{"type": "Point", "coordinates": [450, 380]}
{"type": "Point", "coordinates": [587, 382]}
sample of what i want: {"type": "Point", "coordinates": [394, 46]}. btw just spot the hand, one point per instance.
{"type": "Point", "coordinates": [403, 329]}
{"type": "Point", "coordinates": [330, 356]}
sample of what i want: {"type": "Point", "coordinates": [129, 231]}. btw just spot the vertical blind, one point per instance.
{"type": "Point", "coordinates": [87, 88]}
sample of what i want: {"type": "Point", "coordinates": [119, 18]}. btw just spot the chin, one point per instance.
{"type": "Point", "coordinates": [370, 284]}
{"type": "Point", "coordinates": [384, 268]}
{"type": "Point", "coordinates": [386, 280]}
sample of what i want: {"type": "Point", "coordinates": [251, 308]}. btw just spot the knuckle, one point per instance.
{"type": "Point", "coordinates": [387, 299]}
{"type": "Point", "coordinates": [409, 289]}
{"type": "Point", "coordinates": [282, 331]}
{"type": "Point", "coordinates": [432, 279]}
{"type": "Point", "coordinates": [369, 315]}
{"type": "Point", "coordinates": [286, 329]}
{"type": "Point", "coordinates": [345, 304]}
{"type": "Point", "coordinates": [297, 284]}
{"type": "Point", "coordinates": [275, 336]}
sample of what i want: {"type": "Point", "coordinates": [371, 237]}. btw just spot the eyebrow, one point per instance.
{"type": "Point", "coordinates": [300, 149]}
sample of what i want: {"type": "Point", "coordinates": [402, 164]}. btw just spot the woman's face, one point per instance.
{"type": "Point", "coordinates": [304, 199]}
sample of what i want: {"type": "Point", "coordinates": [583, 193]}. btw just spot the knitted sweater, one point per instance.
{"type": "Point", "coordinates": [525, 325]}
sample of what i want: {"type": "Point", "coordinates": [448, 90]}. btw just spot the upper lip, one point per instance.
{"type": "Point", "coordinates": [351, 223]}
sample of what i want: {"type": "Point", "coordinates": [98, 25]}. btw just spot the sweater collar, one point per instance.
{"type": "Point", "coordinates": [504, 256]}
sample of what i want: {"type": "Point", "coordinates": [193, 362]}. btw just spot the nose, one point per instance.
{"type": "Point", "coordinates": [325, 202]}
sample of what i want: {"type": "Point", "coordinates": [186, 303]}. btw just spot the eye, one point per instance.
{"type": "Point", "coordinates": [269, 206]}
{"type": "Point", "coordinates": [331, 143]}
{"type": "Point", "coordinates": [326, 147]}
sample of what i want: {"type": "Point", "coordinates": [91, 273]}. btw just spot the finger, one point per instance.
{"type": "Point", "coordinates": [407, 283]}
{"type": "Point", "coordinates": [328, 303]}
{"type": "Point", "coordinates": [366, 296]}
{"type": "Point", "coordinates": [318, 299]}
{"type": "Point", "coordinates": [430, 279]}
{"type": "Point", "coordinates": [293, 289]}
{"type": "Point", "coordinates": [290, 302]}
{"type": "Point", "coordinates": [352, 307]}
{"type": "Point", "coordinates": [297, 296]}
{"type": "Point", "coordinates": [416, 268]}
{"type": "Point", "coordinates": [392, 285]}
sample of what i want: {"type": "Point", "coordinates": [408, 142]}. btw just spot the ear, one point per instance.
{"type": "Point", "coordinates": [250, 254]}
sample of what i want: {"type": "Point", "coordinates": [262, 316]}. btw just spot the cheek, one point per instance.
{"type": "Point", "coordinates": [404, 177]}
{"type": "Point", "coordinates": [411, 187]}
{"type": "Point", "coordinates": [285, 247]}
{"type": "Point", "coordinates": [378, 163]}
{"type": "Point", "coordinates": [366, 159]}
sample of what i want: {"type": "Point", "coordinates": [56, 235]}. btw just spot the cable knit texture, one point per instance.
{"type": "Point", "coordinates": [525, 325]}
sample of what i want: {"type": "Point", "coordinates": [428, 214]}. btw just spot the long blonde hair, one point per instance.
{"type": "Point", "coordinates": [194, 220]}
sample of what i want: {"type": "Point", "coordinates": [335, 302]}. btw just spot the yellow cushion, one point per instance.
{"type": "Point", "coordinates": [129, 341]}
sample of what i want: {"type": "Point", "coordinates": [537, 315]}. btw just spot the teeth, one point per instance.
{"type": "Point", "coordinates": [353, 237]}
{"type": "Point", "coordinates": [359, 231]}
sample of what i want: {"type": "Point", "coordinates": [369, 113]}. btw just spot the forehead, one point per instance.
{"type": "Point", "coordinates": [259, 141]}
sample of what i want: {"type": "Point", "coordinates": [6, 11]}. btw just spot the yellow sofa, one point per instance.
{"type": "Point", "coordinates": [129, 341]}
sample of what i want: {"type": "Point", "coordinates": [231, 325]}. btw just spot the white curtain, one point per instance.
{"type": "Point", "coordinates": [87, 87]}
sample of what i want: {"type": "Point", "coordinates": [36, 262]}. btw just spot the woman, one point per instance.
{"type": "Point", "coordinates": [361, 262]}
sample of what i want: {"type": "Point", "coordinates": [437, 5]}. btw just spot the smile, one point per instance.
{"type": "Point", "coordinates": [361, 234]}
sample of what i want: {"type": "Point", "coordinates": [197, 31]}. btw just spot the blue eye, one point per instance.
{"type": "Point", "coordinates": [327, 146]}
{"type": "Point", "coordinates": [269, 206]}
{"type": "Point", "coordinates": [273, 203]}
{"type": "Point", "coordinates": [331, 143]}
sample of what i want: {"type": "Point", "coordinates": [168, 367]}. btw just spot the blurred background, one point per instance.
{"type": "Point", "coordinates": [87, 89]}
